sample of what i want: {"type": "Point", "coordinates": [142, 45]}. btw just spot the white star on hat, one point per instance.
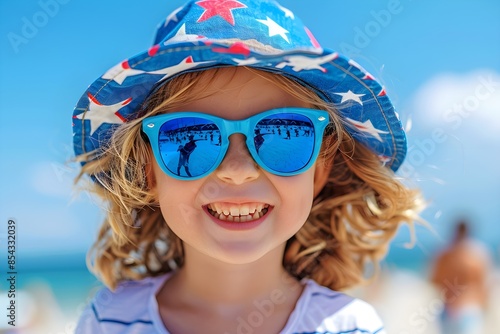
{"type": "Point", "coordinates": [98, 113]}
{"type": "Point", "coordinates": [288, 12]}
{"type": "Point", "coordinates": [121, 72]}
{"type": "Point", "coordinates": [367, 127]}
{"type": "Point", "coordinates": [301, 63]}
{"type": "Point", "coordinates": [350, 96]}
{"type": "Point", "coordinates": [173, 16]}
{"type": "Point", "coordinates": [185, 64]}
{"type": "Point", "coordinates": [244, 62]}
{"type": "Point", "coordinates": [182, 36]}
{"type": "Point", "coordinates": [275, 28]}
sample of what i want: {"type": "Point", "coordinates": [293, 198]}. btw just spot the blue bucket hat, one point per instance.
{"type": "Point", "coordinates": [259, 34]}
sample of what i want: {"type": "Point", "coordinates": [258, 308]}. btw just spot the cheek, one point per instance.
{"type": "Point", "coordinates": [179, 212]}
{"type": "Point", "coordinates": [297, 195]}
{"type": "Point", "coordinates": [177, 200]}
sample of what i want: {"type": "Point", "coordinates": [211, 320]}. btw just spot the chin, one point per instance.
{"type": "Point", "coordinates": [240, 253]}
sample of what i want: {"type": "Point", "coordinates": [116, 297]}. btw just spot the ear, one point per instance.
{"type": "Point", "coordinates": [321, 174]}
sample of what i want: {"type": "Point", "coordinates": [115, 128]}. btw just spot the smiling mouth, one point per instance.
{"type": "Point", "coordinates": [239, 213]}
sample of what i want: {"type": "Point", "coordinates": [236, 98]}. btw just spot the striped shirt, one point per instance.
{"type": "Point", "coordinates": [133, 308]}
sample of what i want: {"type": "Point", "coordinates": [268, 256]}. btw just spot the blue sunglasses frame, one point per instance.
{"type": "Point", "coordinates": [151, 126]}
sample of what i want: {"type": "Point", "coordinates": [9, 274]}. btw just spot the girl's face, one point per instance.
{"type": "Point", "coordinates": [276, 207]}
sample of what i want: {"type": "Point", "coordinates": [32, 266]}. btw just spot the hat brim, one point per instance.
{"type": "Point", "coordinates": [116, 97]}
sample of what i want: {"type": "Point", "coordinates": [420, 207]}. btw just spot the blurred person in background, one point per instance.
{"type": "Point", "coordinates": [461, 272]}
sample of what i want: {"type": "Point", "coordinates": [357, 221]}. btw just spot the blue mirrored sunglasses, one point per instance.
{"type": "Point", "coordinates": [191, 145]}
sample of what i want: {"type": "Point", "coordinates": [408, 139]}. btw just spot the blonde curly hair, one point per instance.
{"type": "Point", "coordinates": [351, 223]}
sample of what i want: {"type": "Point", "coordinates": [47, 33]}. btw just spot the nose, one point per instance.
{"type": "Point", "coordinates": [238, 166]}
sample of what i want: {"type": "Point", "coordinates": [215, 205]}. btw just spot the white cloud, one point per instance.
{"type": "Point", "coordinates": [459, 102]}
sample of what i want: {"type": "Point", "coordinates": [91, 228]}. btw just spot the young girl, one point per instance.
{"type": "Point", "coordinates": [258, 230]}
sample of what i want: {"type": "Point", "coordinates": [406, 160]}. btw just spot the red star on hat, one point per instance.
{"type": "Point", "coordinates": [223, 8]}
{"type": "Point", "coordinates": [236, 48]}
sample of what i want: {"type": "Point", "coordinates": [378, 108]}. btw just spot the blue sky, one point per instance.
{"type": "Point", "coordinates": [440, 62]}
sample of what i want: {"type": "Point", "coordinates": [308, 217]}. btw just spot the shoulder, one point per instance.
{"type": "Point", "coordinates": [328, 311]}
{"type": "Point", "coordinates": [126, 308]}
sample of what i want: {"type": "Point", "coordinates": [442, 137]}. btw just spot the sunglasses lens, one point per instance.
{"type": "Point", "coordinates": [285, 141]}
{"type": "Point", "coordinates": [189, 146]}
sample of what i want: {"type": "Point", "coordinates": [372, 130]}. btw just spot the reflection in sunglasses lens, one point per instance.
{"type": "Point", "coordinates": [189, 146]}
{"type": "Point", "coordinates": [284, 142]}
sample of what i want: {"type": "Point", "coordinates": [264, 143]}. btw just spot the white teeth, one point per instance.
{"type": "Point", "coordinates": [235, 211]}
{"type": "Point", "coordinates": [238, 212]}
{"type": "Point", "coordinates": [244, 210]}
